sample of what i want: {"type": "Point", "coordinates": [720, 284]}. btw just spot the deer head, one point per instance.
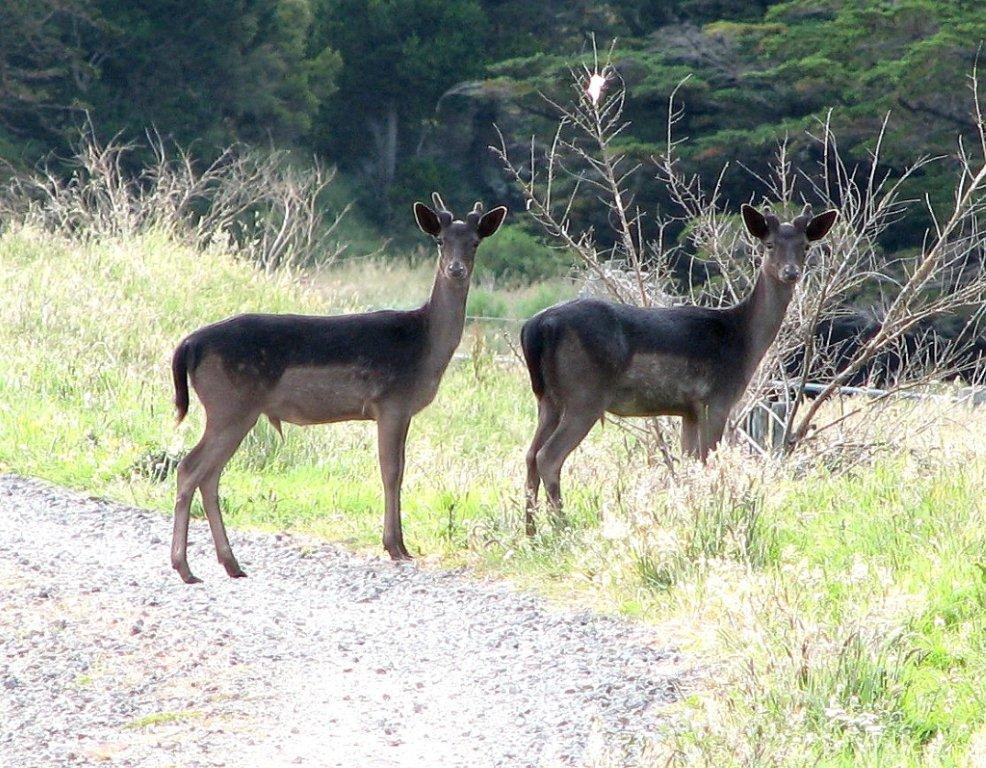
{"type": "Point", "coordinates": [787, 244]}
{"type": "Point", "coordinates": [457, 239]}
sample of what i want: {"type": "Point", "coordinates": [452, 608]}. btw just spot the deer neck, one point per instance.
{"type": "Point", "coordinates": [763, 313]}
{"type": "Point", "coordinates": [446, 313]}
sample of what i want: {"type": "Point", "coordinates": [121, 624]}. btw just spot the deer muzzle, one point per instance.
{"type": "Point", "coordinates": [457, 270]}
{"type": "Point", "coordinates": [789, 274]}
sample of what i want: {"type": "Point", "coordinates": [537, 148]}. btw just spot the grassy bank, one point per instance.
{"type": "Point", "coordinates": [838, 619]}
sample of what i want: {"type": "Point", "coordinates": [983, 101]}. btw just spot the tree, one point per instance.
{"type": "Point", "coordinates": [211, 71]}
{"type": "Point", "coordinates": [398, 58]}
{"type": "Point", "coordinates": [44, 67]}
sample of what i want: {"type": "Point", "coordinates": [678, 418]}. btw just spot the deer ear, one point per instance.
{"type": "Point", "coordinates": [756, 223]}
{"type": "Point", "coordinates": [427, 220]}
{"type": "Point", "coordinates": [491, 222]}
{"type": "Point", "coordinates": [820, 225]}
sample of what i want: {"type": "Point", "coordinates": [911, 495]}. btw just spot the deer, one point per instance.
{"type": "Point", "coordinates": [383, 366]}
{"type": "Point", "coordinates": [588, 357]}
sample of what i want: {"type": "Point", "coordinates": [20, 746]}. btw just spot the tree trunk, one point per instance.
{"type": "Point", "coordinates": [390, 147]}
{"type": "Point", "coordinates": [384, 158]}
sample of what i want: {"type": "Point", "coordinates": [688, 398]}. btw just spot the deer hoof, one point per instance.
{"type": "Point", "coordinates": [399, 554]}
{"type": "Point", "coordinates": [185, 572]}
{"type": "Point", "coordinates": [235, 572]}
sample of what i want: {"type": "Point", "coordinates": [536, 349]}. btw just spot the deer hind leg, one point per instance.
{"type": "Point", "coordinates": [689, 437]}
{"type": "Point", "coordinates": [200, 469]}
{"type": "Point", "coordinates": [576, 421]}
{"type": "Point", "coordinates": [708, 431]}
{"type": "Point", "coordinates": [188, 471]}
{"type": "Point", "coordinates": [218, 454]}
{"type": "Point", "coordinates": [548, 417]}
{"type": "Point", "coordinates": [391, 439]}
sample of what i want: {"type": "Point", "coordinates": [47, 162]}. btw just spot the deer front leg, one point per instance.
{"type": "Point", "coordinates": [391, 438]}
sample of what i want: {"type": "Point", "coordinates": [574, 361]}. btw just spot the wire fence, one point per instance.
{"type": "Point", "coordinates": [763, 427]}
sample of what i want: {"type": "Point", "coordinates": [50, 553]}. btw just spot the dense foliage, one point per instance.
{"type": "Point", "coordinates": [403, 94]}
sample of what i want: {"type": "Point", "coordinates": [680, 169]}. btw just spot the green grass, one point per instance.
{"type": "Point", "coordinates": [836, 619]}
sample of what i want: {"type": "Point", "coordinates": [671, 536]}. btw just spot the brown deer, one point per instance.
{"type": "Point", "coordinates": [383, 366]}
{"type": "Point", "coordinates": [588, 357]}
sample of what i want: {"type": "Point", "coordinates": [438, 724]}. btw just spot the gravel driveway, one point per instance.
{"type": "Point", "coordinates": [321, 657]}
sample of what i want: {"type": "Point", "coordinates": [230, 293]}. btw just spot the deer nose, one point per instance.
{"type": "Point", "coordinates": [790, 273]}
{"type": "Point", "coordinates": [457, 270]}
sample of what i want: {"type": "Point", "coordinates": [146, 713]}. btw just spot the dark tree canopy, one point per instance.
{"type": "Point", "coordinates": [213, 70]}
{"type": "Point", "coordinates": [45, 68]}
{"type": "Point", "coordinates": [398, 57]}
{"type": "Point", "coordinates": [402, 94]}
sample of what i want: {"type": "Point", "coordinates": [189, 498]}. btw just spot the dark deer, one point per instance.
{"type": "Point", "coordinates": [587, 357]}
{"type": "Point", "coordinates": [383, 366]}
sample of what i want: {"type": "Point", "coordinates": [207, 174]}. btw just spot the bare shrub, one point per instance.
{"type": "Point", "coordinates": [262, 204]}
{"type": "Point", "coordinates": [945, 278]}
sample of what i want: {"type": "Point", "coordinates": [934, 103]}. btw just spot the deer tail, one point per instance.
{"type": "Point", "coordinates": [179, 373]}
{"type": "Point", "coordinates": [533, 338]}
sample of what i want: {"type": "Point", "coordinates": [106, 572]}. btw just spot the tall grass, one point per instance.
{"type": "Point", "coordinates": [835, 618]}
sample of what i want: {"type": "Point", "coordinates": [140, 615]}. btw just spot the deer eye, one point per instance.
{"type": "Point", "coordinates": [440, 240]}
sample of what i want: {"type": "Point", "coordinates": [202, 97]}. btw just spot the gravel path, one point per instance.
{"type": "Point", "coordinates": [320, 658]}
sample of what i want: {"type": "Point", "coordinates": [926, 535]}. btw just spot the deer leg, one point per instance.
{"type": "Point", "coordinates": [574, 426]}
{"type": "Point", "coordinates": [709, 431]}
{"type": "Point", "coordinates": [548, 417]}
{"type": "Point", "coordinates": [187, 483]}
{"type": "Point", "coordinates": [689, 437]}
{"type": "Point", "coordinates": [208, 456]}
{"type": "Point", "coordinates": [391, 439]}
{"type": "Point", "coordinates": [219, 453]}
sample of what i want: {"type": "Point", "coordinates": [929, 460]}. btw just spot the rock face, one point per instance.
{"type": "Point", "coordinates": [320, 658]}
{"type": "Point", "coordinates": [465, 128]}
